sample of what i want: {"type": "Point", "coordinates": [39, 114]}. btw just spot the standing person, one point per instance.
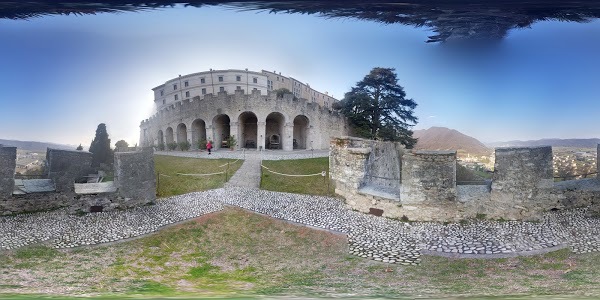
{"type": "Point", "coordinates": [208, 146]}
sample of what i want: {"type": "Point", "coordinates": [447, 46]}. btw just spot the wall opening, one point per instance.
{"type": "Point", "coordinates": [198, 133]}
{"type": "Point", "coordinates": [181, 133]}
{"type": "Point", "coordinates": [300, 132]}
{"type": "Point", "coordinates": [222, 129]}
{"type": "Point", "coordinates": [248, 129]}
{"type": "Point", "coordinates": [274, 130]}
{"type": "Point", "coordinates": [161, 138]}
{"type": "Point", "coordinates": [169, 135]}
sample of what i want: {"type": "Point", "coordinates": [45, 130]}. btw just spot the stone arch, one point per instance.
{"type": "Point", "coordinates": [221, 127]}
{"type": "Point", "coordinates": [274, 129]}
{"type": "Point", "coordinates": [248, 130]}
{"type": "Point", "coordinates": [181, 133]}
{"type": "Point", "coordinates": [160, 137]}
{"type": "Point", "coordinates": [169, 135]}
{"type": "Point", "coordinates": [198, 133]}
{"type": "Point", "coordinates": [301, 129]}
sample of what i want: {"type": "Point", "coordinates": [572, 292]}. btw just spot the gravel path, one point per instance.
{"type": "Point", "coordinates": [371, 237]}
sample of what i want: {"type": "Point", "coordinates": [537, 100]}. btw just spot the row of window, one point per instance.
{"type": "Point", "coordinates": [203, 80]}
{"type": "Point", "coordinates": [187, 93]}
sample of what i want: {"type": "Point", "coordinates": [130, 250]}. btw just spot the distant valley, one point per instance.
{"type": "Point", "coordinates": [35, 146]}
{"type": "Point", "coordinates": [572, 143]}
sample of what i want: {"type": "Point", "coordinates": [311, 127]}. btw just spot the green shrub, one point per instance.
{"type": "Point", "coordinates": [184, 146]}
{"type": "Point", "coordinates": [172, 146]}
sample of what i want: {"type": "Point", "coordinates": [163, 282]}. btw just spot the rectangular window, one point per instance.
{"type": "Point", "coordinates": [202, 80]}
{"type": "Point", "coordinates": [162, 92]}
{"type": "Point", "coordinates": [176, 97]}
{"type": "Point", "coordinates": [174, 87]}
{"type": "Point", "coordinates": [187, 94]}
{"type": "Point", "coordinates": [221, 89]}
{"type": "Point", "coordinates": [186, 84]}
{"type": "Point", "coordinates": [238, 87]}
{"type": "Point", "coordinates": [220, 78]}
{"type": "Point", "coordinates": [238, 78]}
{"type": "Point", "coordinates": [164, 101]}
{"type": "Point", "coordinates": [203, 91]}
{"type": "Point", "coordinates": [255, 80]}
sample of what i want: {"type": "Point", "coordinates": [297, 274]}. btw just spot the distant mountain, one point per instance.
{"type": "Point", "coordinates": [35, 146]}
{"type": "Point", "coordinates": [575, 143]}
{"type": "Point", "coordinates": [442, 138]}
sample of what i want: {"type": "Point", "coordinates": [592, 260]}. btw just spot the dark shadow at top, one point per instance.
{"type": "Point", "coordinates": [451, 20]}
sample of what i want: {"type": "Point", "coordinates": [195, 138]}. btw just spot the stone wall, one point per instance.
{"type": "Point", "coordinates": [135, 177]}
{"type": "Point", "coordinates": [384, 165]}
{"type": "Point", "coordinates": [598, 162]}
{"type": "Point", "coordinates": [322, 123]}
{"type": "Point", "coordinates": [522, 186]}
{"type": "Point", "coordinates": [348, 161]}
{"type": "Point", "coordinates": [8, 156]}
{"type": "Point", "coordinates": [428, 177]}
{"type": "Point", "coordinates": [522, 182]}
{"type": "Point", "coordinates": [65, 167]}
{"type": "Point", "coordinates": [34, 203]}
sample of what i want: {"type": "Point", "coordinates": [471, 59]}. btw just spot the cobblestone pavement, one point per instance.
{"type": "Point", "coordinates": [246, 154]}
{"type": "Point", "coordinates": [371, 237]}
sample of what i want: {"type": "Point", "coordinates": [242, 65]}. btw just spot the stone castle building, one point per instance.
{"type": "Point", "coordinates": [217, 104]}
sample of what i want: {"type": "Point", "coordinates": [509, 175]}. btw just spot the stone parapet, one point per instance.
{"type": "Point", "coordinates": [8, 156]}
{"type": "Point", "coordinates": [428, 177]}
{"type": "Point", "coordinates": [135, 177]}
{"type": "Point", "coordinates": [65, 167]}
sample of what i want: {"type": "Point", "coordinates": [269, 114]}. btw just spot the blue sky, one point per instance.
{"type": "Point", "coordinates": [62, 75]}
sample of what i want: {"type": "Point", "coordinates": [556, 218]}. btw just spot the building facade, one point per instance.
{"type": "Point", "coordinates": [219, 104]}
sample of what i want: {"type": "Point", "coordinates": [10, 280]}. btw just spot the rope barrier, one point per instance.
{"type": "Point", "coordinates": [231, 163]}
{"type": "Point", "coordinates": [294, 175]}
{"type": "Point", "coordinates": [181, 174]}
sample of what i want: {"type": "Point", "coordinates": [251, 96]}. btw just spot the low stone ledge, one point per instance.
{"type": "Point", "coordinates": [363, 151]}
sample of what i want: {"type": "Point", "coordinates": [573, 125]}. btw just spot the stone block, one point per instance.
{"type": "Point", "coordinates": [428, 177]}
{"type": "Point", "coordinates": [135, 178]}
{"type": "Point", "coordinates": [523, 169]}
{"type": "Point", "coordinates": [65, 167]}
{"type": "Point", "coordinates": [8, 162]}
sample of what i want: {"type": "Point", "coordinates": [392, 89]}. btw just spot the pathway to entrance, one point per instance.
{"type": "Point", "coordinates": [248, 175]}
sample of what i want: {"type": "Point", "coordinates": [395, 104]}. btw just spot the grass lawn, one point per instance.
{"type": "Point", "coordinates": [234, 253]}
{"type": "Point", "coordinates": [314, 185]}
{"type": "Point", "coordinates": [170, 184]}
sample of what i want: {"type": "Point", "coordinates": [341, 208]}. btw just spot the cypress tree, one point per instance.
{"type": "Point", "coordinates": [100, 147]}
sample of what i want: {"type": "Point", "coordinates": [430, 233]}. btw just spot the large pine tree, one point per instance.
{"type": "Point", "coordinates": [377, 108]}
{"type": "Point", "coordinates": [100, 147]}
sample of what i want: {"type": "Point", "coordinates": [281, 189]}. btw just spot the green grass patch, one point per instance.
{"type": "Point", "coordinates": [36, 252]}
{"type": "Point", "coordinates": [314, 185]}
{"type": "Point", "coordinates": [171, 184]}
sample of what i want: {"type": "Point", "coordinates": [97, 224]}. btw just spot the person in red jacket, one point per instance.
{"type": "Point", "coordinates": [208, 147]}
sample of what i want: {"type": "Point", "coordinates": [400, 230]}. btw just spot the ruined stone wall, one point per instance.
{"type": "Point", "coordinates": [522, 186]}
{"type": "Point", "coordinates": [8, 156]}
{"type": "Point", "coordinates": [35, 202]}
{"type": "Point", "coordinates": [522, 181]}
{"type": "Point", "coordinates": [348, 161]}
{"type": "Point", "coordinates": [384, 165]}
{"type": "Point", "coordinates": [323, 124]}
{"type": "Point", "coordinates": [65, 167]}
{"type": "Point", "coordinates": [428, 177]}
{"type": "Point", "coordinates": [135, 177]}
